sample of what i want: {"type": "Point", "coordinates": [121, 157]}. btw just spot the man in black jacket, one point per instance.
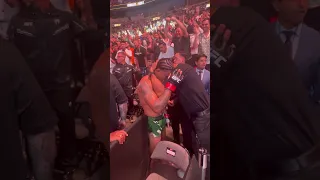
{"type": "Point", "coordinates": [124, 74]}
{"type": "Point", "coordinates": [24, 108]}
{"type": "Point", "coordinates": [264, 121]}
{"type": "Point", "coordinates": [43, 34]}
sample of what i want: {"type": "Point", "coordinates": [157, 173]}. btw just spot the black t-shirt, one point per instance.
{"type": "Point", "coordinates": [44, 40]}
{"type": "Point", "coordinates": [124, 73]}
{"type": "Point", "coordinates": [118, 92]}
{"type": "Point", "coordinates": [259, 100]}
{"type": "Point", "coordinates": [181, 45]}
{"type": "Point", "coordinates": [140, 54]}
{"type": "Point", "coordinates": [23, 106]}
{"type": "Point", "coordinates": [191, 92]}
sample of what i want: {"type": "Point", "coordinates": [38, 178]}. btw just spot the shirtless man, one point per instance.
{"type": "Point", "coordinates": [154, 96]}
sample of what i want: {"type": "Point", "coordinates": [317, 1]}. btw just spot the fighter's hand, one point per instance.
{"type": "Point", "coordinates": [221, 49]}
{"type": "Point", "coordinates": [118, 136]}
{"type": "Point", "coordinates": [174, 79]}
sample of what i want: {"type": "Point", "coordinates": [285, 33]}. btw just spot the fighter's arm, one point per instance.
{"type": "Point", "coordinates": [157, 104]}
{"type": "Point", "coordinates": [157, 85]}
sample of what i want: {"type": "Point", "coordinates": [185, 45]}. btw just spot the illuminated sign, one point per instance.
{"type": "Point", "coordinates": [155, 18]}
{"type": "Point", "coordinates": [135, 4]}
{"type": "Point", "coordinates": [117, 25]}
{"type": "Point", "coordinates": [140, 3]}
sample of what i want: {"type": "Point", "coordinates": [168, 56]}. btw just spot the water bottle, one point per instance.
{"type": "Point", "coordinates": [203, 160]}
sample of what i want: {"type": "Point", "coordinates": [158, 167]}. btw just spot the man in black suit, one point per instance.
{"type": "Point", "coordinates": [264, 121]}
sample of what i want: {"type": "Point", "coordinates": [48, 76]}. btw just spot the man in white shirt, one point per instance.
{"type": "Point", "coordinates": [127, 51]}
{"type": "Point", "coordinates": [203, 41]}
{"type": "Point", "coordinates": [165, 51]}
{"type": "Point", "coordinates": [194, 48]}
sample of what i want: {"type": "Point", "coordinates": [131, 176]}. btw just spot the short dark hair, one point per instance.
{"type": "Point", "coordinates": [201, 56]}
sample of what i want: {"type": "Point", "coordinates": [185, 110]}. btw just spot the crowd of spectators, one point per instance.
{"type": "Point", "coordinates": [185, 30]}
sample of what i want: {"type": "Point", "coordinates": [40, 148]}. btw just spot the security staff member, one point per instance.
{"type": "Point", "coordinates": [195, 101]}
{"type": "Point", "coordinates": [43, 35]}
{"type": "Point", "coordinates": [24, 107]}
{"type": "Point", "coordinates": [124, 73]}
{"type": "Point", "coordinates": [103, 98]}
{"type": "Point", "coordinates": [269, 128]}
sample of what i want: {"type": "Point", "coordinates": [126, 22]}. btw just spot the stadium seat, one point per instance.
{"type": "Point", "coordinates": [169, 160]}
{"type": "Point", "coordinates": [173, 153]}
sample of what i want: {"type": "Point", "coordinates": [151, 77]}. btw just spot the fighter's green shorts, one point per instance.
{"type": "Point", "coordinates": [156, 125]}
